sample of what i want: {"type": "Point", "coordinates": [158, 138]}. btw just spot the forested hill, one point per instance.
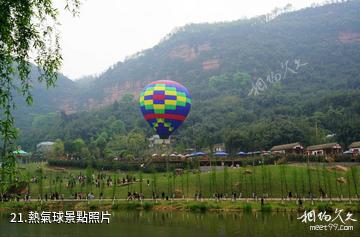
{"type": "Point", "coordinates": [255, 83]}
{"type": "Point", "coordinates": [46, 100]}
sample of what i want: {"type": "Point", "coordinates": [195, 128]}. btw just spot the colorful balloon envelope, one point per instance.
{"type": "Point", "coordinates": [165, 105]}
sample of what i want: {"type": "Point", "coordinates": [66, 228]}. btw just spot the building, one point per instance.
{"type": "Point", "coordinates": [44, 147]}
{"type": "Point", "coordinates": [327, 149]}
{"type": "Point", "coordinates": [355, 148]}
{"type": "Point", "coordinates": [286, 149]}
{"type": "Point", "coordinates": [155, 140]}
{"type": "Point", "coordinates": [21, 155]}
{"type": "Point", "coordinates": [219, 147]}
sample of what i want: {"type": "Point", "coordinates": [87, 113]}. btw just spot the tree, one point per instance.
{"type": "Point", "coordinates": [132, 145]}
{"type": "Point", "coordinates": [235, 141]}
{"type": "Point", "coordinates": [115, 147]}
{"type": "Point", "coordinates": [117, 127]}
{"type": "Point", "coordinates": [101, 142]}
{"type": "Point", "coordinates": [27, 33]}
{"type": "Point", "coordinates": [136, 143]}
{"type": "Point", "coordinates": [58, 149]}
{"type": "Point", "coordinates": [78, 147]}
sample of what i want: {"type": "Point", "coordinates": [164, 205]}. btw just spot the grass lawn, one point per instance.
{"type": "Point", "coordinates": [268, 180]}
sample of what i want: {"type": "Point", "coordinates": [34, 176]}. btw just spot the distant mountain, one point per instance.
{"type": "Point", "coordinates": [323, 37]}
{"type": "Point", "coordinates": [46, 100]}
{"type": "Point", "coordinates": [260, 81]}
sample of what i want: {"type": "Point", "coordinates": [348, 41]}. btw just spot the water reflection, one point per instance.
{"type": "Point", "coordinates": [175, 224]}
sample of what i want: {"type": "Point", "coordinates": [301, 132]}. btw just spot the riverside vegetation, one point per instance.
{"type": "Point", "coordinates": [317, 185]}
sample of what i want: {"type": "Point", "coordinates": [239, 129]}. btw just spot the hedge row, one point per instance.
{"type": "Point", "coordinates": [245, 161]}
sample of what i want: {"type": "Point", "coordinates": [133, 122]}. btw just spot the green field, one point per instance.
{"type": "Point", "coordinates": [269, 180]}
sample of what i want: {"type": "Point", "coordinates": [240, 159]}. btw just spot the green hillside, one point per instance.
{"type": "Point", "coordinates": [255, 83]}
{"type": "Point", "coordinates": [46, 100]}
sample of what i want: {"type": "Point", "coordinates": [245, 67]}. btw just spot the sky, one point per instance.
{"type": "Point", "coordinates": [107, 31]}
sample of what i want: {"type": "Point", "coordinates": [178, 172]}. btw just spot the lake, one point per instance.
{"type": "Point", "coordinates": [159, 224]}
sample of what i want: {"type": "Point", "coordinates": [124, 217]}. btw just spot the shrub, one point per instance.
{"type": "Point", "coordinates": [247, 207]}
{"type": "Point", "coordinates": [93, 207]}
{"type": "Point", "coordinates": [197, 207]}
{"type": "Point", "coordinates": [126, 206]}
{"type": "Point", "coordinates": [266, 208]}
{"type": "Point", "coordinates": [148, 206]}
{"type": "Point", "coordinates": [132, 205]}
{"type": "Point", "coordinates": [324, 207]}
{"type": "Point", "coordinates": [18, 205]}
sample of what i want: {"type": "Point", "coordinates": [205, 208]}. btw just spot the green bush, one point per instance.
{"type": "Point", "coordinates": [18, 205]}
{"type": "Point", "coordinates": [126, 206]}
{"type": "Point", "coordinates": [247, 207]}
{"type": "Point", "coordinates": [93, 206]}
{"type": "Point", "coordinates": [148, 206]}
{"type": "Point", "coordinates": [324, 207]}
{"type": "Point", "coordinates": [266, 208]}
{"type": "Point", "coordinates": [197, 207]}
{"type": "Point", "coordinates": [115, 206]}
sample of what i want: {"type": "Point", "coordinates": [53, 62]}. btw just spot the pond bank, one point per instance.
{"type": "Point", "coordinates": [181, 205]}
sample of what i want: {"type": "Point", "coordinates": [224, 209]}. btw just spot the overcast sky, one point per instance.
{"type": "Point", "coordinates": [109, 30]}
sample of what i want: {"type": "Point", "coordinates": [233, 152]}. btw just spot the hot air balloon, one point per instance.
{"type": "Point", "coordinates": [165, 105]}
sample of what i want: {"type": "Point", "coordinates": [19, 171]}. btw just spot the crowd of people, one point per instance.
{"type": "Point", "coordinates": [80, 181]}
